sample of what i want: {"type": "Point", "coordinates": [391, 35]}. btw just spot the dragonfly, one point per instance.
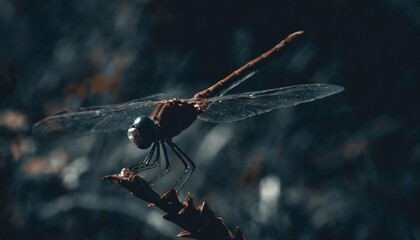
{"type": "Point", "coordinates": [153, 122]}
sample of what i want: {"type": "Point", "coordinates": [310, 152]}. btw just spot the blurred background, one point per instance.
{"type": "Point", "coordinates": [344, 167]}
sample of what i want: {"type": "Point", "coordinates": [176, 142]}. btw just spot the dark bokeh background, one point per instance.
{"type": "Point", "coordinates": [345, 167]}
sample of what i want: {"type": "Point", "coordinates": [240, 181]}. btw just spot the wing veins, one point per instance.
{"type": "Point", "coordinates": [239, 106]}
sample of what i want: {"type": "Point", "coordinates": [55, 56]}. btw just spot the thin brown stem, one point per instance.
{"type": "Point", "coordinates": [198, 222]}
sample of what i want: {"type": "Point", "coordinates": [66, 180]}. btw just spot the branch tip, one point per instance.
{"type": "Point", "coordinates": [198, 222]}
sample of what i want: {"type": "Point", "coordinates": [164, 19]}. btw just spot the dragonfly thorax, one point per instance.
{"type": "Point", "coordinates": [143, 132]}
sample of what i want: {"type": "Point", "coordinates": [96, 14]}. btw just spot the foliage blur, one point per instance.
{"type": "Point", "coordinates": [345, 167]}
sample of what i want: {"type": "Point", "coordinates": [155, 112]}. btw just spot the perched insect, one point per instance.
{"type": "Point", "coordinates": [171, 117]}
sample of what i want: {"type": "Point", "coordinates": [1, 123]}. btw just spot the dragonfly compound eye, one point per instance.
{"type": "Point", "coordinates": [143, 132]}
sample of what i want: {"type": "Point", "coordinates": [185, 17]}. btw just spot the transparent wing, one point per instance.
{"type": "Point", "coordinates": [237, 82]}
{"type": "Point", "coordinates": [91, 120]}
{"type": "Point", "coordinates": [236, 107]}
{"type": "Point", "coordinates": [154, 97]}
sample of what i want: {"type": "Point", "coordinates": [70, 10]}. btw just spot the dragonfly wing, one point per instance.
{"type": "Point", "coordinates": [92, 120]}
{"type": "Point", "coordinates": [237, 82]}
{"type": "Point", "coordinates": [236, 107]}
{"type": "Point", "coordinates": [154, 97]}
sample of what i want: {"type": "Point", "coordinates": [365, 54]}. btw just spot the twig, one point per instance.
{"type": "Point", "coordinates": [198, 223]}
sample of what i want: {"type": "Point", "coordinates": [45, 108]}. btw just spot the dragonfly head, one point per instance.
{"type": "Point", "coordinates": [143, 132]}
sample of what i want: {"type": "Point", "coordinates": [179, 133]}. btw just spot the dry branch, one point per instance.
{"type": "Point", "coordinates": [198, 223]}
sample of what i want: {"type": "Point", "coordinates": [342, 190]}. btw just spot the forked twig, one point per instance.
{"type": "Point", "coordinates": [198, 223]}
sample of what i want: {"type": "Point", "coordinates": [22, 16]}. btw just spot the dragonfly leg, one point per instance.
{"type": "Point", "coordinates": [188, 164]}
{"type": "Point", "coordinates": [145, 165]}
{"type": "Point", "coordinates": [168, 166]}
